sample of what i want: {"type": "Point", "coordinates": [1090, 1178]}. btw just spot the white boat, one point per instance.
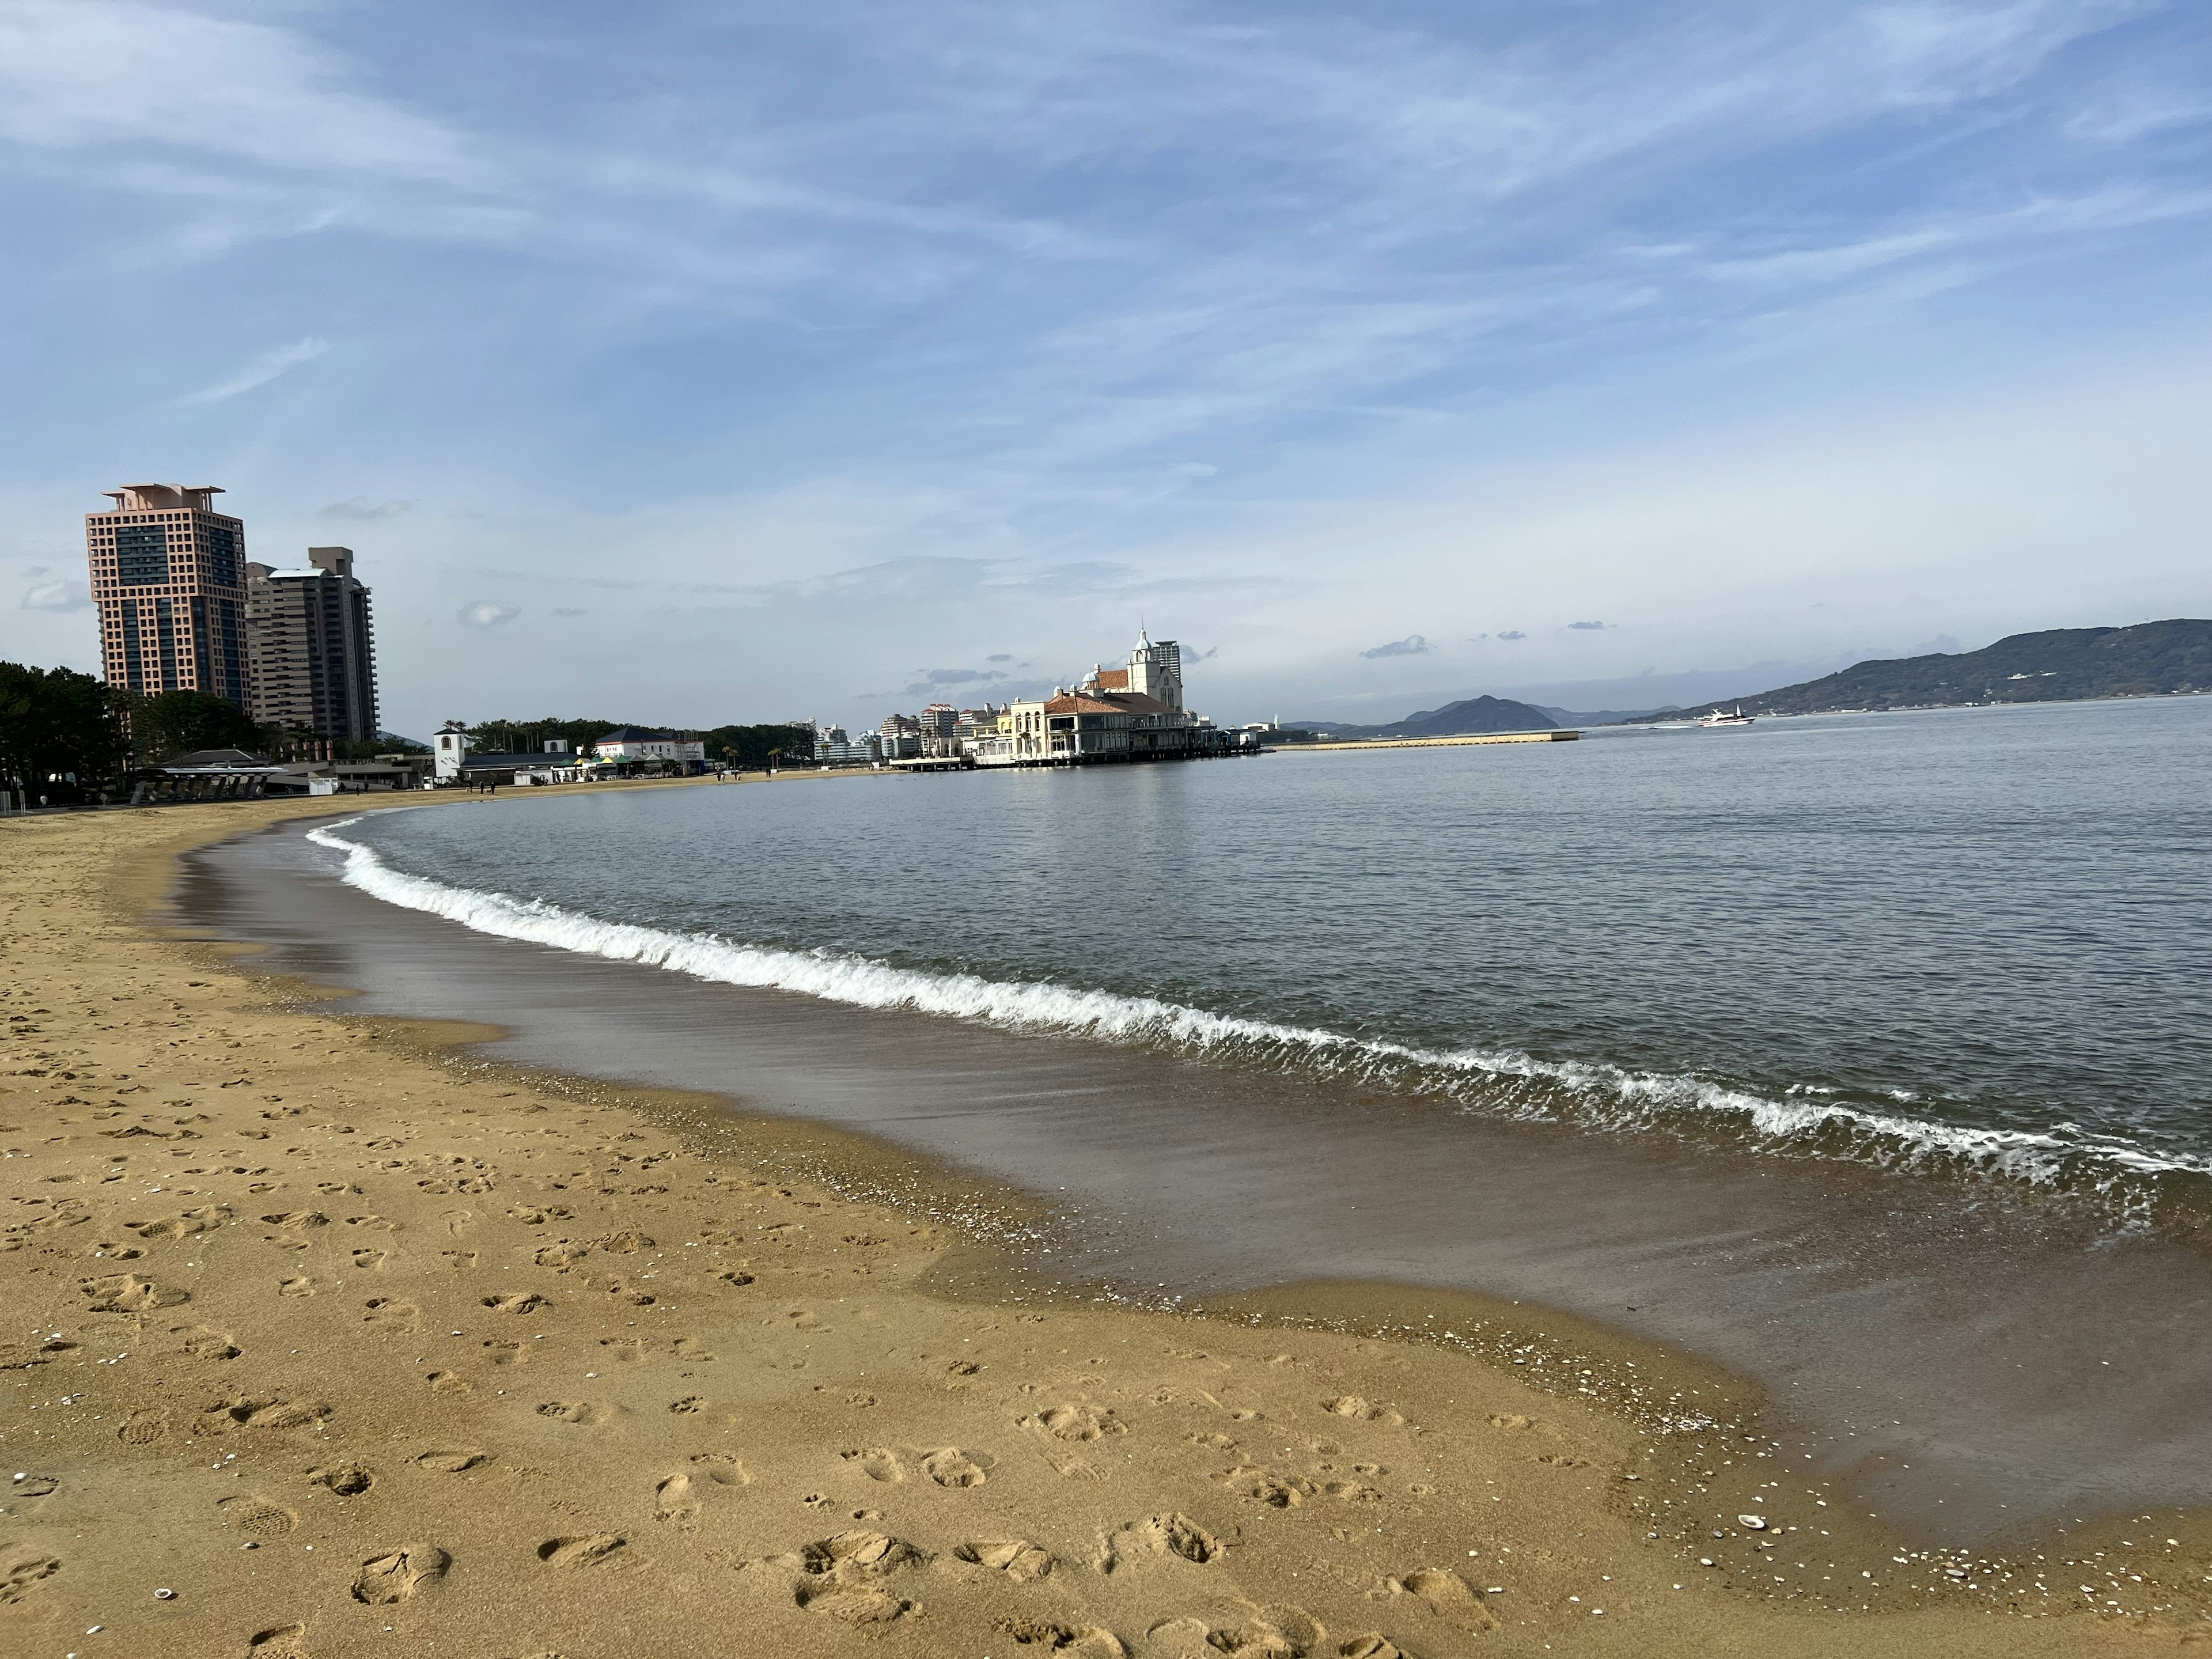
{"type": "Point", "coordinates": [1716, 719]}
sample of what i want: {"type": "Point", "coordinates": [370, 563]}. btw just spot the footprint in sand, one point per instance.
{"type": "Point", "coordinates": [1018, 1559]}
{"type": "Point", "coordinates": [205, 1342]}
{"type": "Point", "coordinates": [1276, 1492]}
{"type": "Point", "coordinates": [461, 1262]}
{"type": "Point", "coordinates": [1077, 1641]}
{"type": "Point", "coordinates": [676, 1499]}
{"type": "Point", "coordinates": [19, 1570]}
{"type": "Point", "coordinates": [271, 1413]}
{"type": "Point", "coordinates": [720, 1469]}
{"type": "Point", "coordinates": [521, 1303]}
{"type": "Point", "coordinates": [399, 1574]}
{"type": "Point", "coordinates": [302, 1285]}
{"type": "Point", "coordinates": [450, 1383]}
{"type": "Point", "coordinates": [1156, 1539]}
{"type": "Point", "coordinates": [371, 1260]}
{"type": "Point", "coordinates": [393, 1314]}
{"type": "Point", "coordinates": [278, 1642]}
{"type": "Point", "coordinates": [34, 1486]}
{"type": "Point", "coordinates": [1073, 1423]}
{"type": "Point", "coordinates": [1351, 1406]}
{"type": "Point", "coordinates": [951, 1466]}
{"type": "Point", "coordinates": [142, 1428]}
{"type": "Point", "coordinates": [584, 1412]}
{"type": "Point", "coordinates": [878, 1463]}
{"type": "Point", "coordinates": [580, 1552]}
{"type": "Point", "coordinates": [853, 1604]}
{"type": "Point", "coordinates": [1507, 1422]}
{"type": "Point", "coordinates": [452, 1461]}
{"type": "Point", "coordinates": [622, 1349]}
{"type": "Point", "coordinates": [1288, 1632]}
{"type": "Point", "coordinates": [348, 1480]}
{"type": "Point", "coordinates": [1448, 1596]}
{"type": "Point", "coordinates": [128, 1293]}
{"type": "Point", "coordinates": [506, 1353]}
{"type": "Point", "coordinates": [1369, 1644]}
{"type": "Point", "coordinates": [257, 1517]}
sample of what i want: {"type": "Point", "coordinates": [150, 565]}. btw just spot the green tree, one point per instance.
{"type": "Point", "coordinates": [57, 723]}
{"type": "Point", "coordinates": [747, 746]}
{"type": "Point", "coordinates": [177, 722]}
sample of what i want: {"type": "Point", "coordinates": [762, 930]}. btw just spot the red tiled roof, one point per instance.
{"type": "Point", "coordinates": [1080, 703]}
{"type": "Point", "coordinates": [1114, 679]}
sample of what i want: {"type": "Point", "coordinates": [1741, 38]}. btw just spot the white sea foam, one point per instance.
{"type": "Point", "coordinates": [1499, 1081]}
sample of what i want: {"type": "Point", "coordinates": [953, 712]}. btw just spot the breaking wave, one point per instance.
{"type": "Point", "coordinates": [1497, 1082]}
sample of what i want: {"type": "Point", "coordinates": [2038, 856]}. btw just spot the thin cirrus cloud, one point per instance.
{"type": "Point", "coordinates": [1586, 627]}
{"type": "Point", "coordinates": [489, 613]}
{"type": "Point", "coordinates": [260, 371]}
{"type": "Point", "coordinates": [359, 509]}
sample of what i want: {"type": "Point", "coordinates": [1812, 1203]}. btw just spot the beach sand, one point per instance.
{"type": "Point", "coordinates": [319, 1336]}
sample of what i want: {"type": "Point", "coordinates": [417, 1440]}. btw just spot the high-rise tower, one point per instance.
{"type": "Point", "coordinates": [310, 661]}
{"type": "Point", "coordinates": [166, 574]}
{"type": "Point", "coordinates": [1157, 670]}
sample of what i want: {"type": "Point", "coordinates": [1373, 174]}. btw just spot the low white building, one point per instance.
{"type": "Point", "coordinates": [632, 743]}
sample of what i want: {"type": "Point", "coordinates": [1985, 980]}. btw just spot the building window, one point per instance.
{"type": "Point", "coordinates": [142, 555]}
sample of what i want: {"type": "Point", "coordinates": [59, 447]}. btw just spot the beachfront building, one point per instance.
{"type": "Point", "coordinates": [833, 747]}
{"type": "Point", "coordinates": [1130, 714]}
{"type": "Point", "coordinates": [633, 745]}
{"type": "Point", "coordinates": [168, 578]}
{"type": "Point", "coordinates": [902, 737]}
{"type": "Point", "coordinates": [310, 650]}
{"type": "Point", "coordinates": [454, 758]}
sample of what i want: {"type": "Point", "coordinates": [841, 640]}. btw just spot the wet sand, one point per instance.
{"type": "Point", "coordinates": [358, 1340]}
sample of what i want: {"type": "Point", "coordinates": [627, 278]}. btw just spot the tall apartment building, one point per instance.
{"type": "Point", "coordinates": [167, 574]}
{"type": "Point", "coordinates": [311, 658]}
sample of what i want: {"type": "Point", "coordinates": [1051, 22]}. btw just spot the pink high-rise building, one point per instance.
{"type": "Point", "coordinates": [168, 575]}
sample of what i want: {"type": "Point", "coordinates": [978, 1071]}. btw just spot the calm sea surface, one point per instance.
{"type": "Point", "coordinates": [1974, 945]}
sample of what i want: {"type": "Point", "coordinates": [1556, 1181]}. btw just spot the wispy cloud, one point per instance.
{"type": "Point", "coordinates": [361, 510]}
{"type": "Point", "coordinates": [259, 371]}
{"type": "Point", "coordinates": [1412, 646]}
{"type": "Point", "coordinates": [62, 595]}
{"type": "Point", "coordinates": [489, 613]}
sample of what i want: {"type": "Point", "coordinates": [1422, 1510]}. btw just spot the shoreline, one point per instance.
{"type": "Point", "coordinates": [719, 1504]}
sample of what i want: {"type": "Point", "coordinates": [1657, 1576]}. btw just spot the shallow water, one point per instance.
{"type": "Point", "coordinates": [1472, 1113]}
{"type": "Point", "coordinates": [1972, 938]}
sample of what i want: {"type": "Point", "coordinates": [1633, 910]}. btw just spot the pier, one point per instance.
{"type": "Point", "coordinates": [1468, 740]}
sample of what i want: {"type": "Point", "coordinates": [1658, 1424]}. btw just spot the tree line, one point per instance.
{"type": "Point", "coordinates": [69, 736]}
{"type": "Point", "coordinates": [743, 748]}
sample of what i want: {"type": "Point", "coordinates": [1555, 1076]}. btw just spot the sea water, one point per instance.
{"type": "Point", "coordinates": [1971, 945]}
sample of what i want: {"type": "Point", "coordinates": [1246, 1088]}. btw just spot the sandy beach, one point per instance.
{"type": "Point", "coordinates": [323, 1337]}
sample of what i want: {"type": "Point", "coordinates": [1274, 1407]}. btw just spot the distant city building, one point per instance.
{"type": "Point", "coordinates": [311, 651]}
{"type": "Point", "coordinates": [1128, 714]}
{"type": "Point", "coordinates": [833, 747]}
{"type": "Point", "coordinates": [940, 731]}
{"type": "Point", "coordinates": [167, 575]}
{"type": "Point", "coordinates": [902, 737]}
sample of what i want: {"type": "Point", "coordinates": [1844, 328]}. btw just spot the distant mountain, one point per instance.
{"type": "Point", "coordinates": [1469, 716]}
{"type": "Point", "coordinates": [2061, 664]}
{"type": "Point", "coordinates": [1593, 716]}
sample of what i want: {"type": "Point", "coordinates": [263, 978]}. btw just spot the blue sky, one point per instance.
{"type": "Point", "coordinates": [704, 364]}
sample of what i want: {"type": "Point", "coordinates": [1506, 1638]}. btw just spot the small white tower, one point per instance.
{"type": "Point", "coordinates": [453, 745]}
{"type": "Point", "coordinates": [1157, 670]}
